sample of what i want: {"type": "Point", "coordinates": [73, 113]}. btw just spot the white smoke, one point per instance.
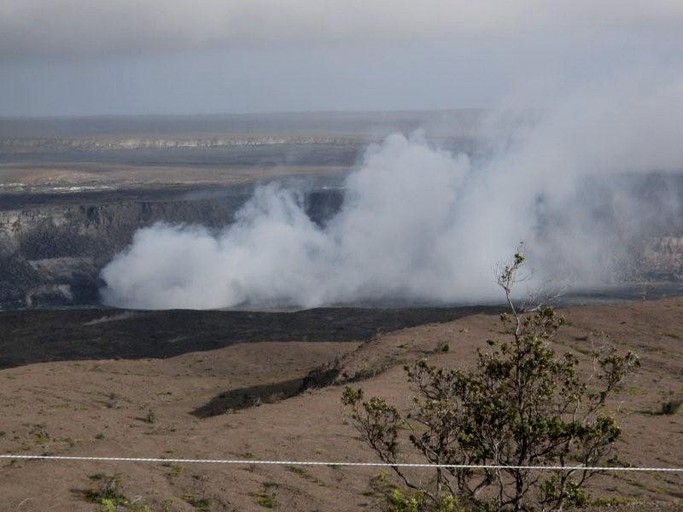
{"type": "Point", "coordinates": [421, 224]}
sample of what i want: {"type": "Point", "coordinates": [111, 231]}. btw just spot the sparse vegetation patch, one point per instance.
{"type": "Point", "coordinates": [523, 405]}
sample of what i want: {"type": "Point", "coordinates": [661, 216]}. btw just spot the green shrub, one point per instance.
{"type": "Point", "coordinates": [523, 405]}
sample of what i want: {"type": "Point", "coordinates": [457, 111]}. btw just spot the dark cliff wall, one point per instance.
{"type": "Point", "coordinates": [52, 255]}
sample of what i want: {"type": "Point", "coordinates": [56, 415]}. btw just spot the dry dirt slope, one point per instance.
{"type": "Point", "coordinates": [153, 407]}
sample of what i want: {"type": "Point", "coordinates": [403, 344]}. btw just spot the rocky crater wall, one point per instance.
{"type": "Point", "coordinates": [52, 255]}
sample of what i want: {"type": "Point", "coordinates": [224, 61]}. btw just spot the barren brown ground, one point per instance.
{"type": "Point", "coordinates": [144, 408]}
{"type": "Point", "coordinates": [79, 174]}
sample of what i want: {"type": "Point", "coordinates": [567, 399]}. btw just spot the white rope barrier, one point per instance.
{"type": "Point", "coordinates": [338, 463]}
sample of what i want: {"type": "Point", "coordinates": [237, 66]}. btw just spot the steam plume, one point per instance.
{"type": "Point", "coordinates": [421, 224]}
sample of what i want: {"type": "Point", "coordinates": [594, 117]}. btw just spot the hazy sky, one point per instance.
{"type": "Point", "coordinates": [88, 57]}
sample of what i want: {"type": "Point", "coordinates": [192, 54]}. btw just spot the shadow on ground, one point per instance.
{"type": "Point", "coordinates": [242, 398]}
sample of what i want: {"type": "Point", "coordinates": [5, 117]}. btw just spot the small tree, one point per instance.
{"type": "Point", "coordinates": [522, 405]}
